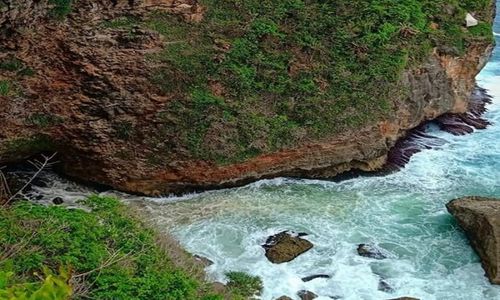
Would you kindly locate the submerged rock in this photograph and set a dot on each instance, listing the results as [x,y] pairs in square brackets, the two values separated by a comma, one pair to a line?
[306,295]
[404,298]
[284,298]
[285,246]
[312,277]
[58,201]
[479,217]
[368,250]
[205,262]
[384,286]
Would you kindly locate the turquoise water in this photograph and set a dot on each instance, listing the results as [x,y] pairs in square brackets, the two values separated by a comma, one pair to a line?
[403,213]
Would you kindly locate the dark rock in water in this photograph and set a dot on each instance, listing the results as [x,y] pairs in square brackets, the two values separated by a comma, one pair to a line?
[384,286]
[58,201]
[301,234]
[404,298]
[205,262]
[417,139]
[39,182]
[306,295]
[479,217]
[284,298]
[309,278]
[285,246]
[370,251]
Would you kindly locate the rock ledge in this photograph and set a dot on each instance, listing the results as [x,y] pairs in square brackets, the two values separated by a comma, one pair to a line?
[480,219]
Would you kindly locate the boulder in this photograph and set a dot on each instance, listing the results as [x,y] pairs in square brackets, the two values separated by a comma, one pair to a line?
[306,295]
[371,251]
[479,217]
[285,246]
[284,298]
[470,21]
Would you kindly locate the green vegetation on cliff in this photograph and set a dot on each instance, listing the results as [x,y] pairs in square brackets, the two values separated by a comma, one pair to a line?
[102,254]
[270,74]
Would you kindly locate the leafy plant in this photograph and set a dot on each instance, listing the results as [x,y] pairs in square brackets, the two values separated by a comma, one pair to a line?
[52,287]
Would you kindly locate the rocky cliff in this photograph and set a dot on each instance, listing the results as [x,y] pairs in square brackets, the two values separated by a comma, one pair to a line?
[118,90]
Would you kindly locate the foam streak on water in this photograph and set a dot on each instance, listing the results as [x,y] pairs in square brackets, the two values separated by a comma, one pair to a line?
[403,213]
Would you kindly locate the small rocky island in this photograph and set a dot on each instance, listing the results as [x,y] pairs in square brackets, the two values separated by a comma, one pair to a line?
[479,217]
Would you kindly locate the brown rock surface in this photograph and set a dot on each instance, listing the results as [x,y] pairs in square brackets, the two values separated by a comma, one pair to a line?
[285,246]
[480,219]
[96,81]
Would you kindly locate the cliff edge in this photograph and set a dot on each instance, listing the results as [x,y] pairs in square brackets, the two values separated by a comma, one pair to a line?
[161,96]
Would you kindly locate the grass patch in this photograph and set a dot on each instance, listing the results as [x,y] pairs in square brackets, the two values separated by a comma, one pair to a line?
[244,285]
[43,120]
[28,146]
[11,64]
[124,130]
[109,254]
[60,9]
[5,87]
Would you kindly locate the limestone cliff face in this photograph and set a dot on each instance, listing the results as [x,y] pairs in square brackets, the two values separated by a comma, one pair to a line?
[88,76]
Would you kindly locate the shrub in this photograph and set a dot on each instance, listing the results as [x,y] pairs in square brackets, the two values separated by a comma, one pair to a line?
[244,285]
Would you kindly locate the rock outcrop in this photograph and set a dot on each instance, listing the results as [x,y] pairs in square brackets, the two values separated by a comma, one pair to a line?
[285,246]
[479,217]
[91,92]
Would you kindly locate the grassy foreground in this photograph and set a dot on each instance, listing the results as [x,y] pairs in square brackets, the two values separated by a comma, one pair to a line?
[58,253]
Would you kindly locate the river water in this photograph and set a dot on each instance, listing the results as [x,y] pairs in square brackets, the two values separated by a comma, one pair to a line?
[403,213]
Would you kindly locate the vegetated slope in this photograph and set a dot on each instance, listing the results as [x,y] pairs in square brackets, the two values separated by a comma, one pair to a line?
[162,96]
[103,254]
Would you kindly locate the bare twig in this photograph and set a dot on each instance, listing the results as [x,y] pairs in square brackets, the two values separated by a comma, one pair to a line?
[4,187]
[40,166]
[113,259]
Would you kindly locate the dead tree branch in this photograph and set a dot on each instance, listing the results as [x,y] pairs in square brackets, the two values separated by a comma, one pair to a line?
[39,165]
